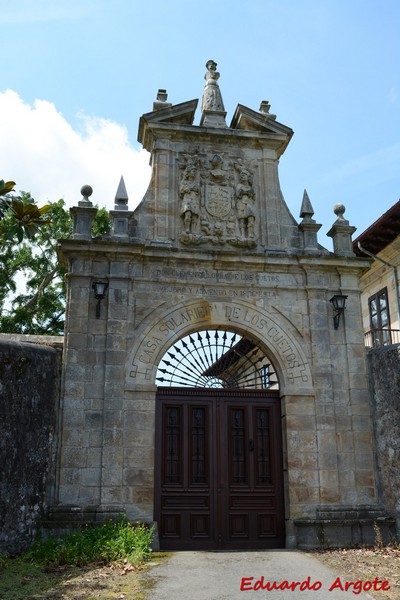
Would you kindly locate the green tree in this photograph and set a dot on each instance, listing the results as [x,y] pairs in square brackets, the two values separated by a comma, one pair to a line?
[19,215]
[33,264]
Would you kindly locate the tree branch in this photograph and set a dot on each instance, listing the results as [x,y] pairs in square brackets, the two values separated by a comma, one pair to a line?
[45,282]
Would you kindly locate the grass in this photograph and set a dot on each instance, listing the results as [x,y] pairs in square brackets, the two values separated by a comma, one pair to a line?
[99,555]
[112,541]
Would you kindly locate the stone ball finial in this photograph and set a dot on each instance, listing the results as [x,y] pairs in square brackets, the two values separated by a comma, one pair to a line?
[86,191]
[339,210]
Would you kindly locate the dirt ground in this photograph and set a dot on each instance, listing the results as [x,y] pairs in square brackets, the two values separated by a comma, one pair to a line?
[366,564]
[124,582]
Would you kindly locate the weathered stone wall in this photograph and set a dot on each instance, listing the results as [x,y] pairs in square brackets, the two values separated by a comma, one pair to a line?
[384,375]
[29,392]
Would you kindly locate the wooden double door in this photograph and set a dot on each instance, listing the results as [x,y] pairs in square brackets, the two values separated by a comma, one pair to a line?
[218,469]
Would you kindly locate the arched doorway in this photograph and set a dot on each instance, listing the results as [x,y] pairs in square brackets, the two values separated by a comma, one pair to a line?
[218,466]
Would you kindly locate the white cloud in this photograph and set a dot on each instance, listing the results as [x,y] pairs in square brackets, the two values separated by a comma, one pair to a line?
[47,157]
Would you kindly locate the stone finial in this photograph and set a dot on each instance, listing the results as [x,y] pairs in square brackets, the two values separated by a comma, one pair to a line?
[212,107]
[306,211]
[121,197]
[308,226]
[83,215]
[264,109]
[120,216]
[86,191]
[339,210]
[341,232]
[161,101]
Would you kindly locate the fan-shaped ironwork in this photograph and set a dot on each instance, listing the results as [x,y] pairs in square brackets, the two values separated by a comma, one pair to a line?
[216,359]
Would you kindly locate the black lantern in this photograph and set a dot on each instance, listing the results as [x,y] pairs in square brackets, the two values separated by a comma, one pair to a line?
[100,288]
[339,304]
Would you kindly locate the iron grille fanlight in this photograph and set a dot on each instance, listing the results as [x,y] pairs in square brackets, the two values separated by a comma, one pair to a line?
[216,359]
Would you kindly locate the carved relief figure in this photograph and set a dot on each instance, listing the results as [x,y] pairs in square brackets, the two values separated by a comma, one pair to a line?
[245,203]
[218,206]
[189,191]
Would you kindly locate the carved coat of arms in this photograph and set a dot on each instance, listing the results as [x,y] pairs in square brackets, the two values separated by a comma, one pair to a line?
[217,202]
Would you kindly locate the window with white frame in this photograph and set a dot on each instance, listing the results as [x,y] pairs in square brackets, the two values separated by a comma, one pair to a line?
[379,318]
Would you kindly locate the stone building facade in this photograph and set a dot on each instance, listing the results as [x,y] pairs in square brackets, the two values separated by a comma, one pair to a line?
[214,247]
[380,288]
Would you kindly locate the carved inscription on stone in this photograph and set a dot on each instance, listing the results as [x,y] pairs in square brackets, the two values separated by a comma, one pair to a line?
[182,319]
[217,201]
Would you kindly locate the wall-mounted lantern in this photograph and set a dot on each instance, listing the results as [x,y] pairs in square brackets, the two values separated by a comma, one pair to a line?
[100,288]
[339,305]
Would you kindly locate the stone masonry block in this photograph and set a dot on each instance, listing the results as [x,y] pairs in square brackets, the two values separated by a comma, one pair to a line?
[78,310]
[303,460]
[347,479]
[305,441]
[326,441]
[113,401]
[329,479]
[70,476]
[364,478]
[93,457]
[73,418]
[115,372]
[91,477]
[139,457]
[138,438]
[112,476]
[78,325]
[327,460]
[303,477]
[112,457]
[69,494]
[74,389]
[302,406]
[77,341]
[329,494]
[111,495]
[301,422]
[326,422]
[362,441]
[346,461]
[94,390]
[113,437]
[113,419]
[116,342]
[73,457]
[137,477]
[93,419]
[73,436]
[89,495]
[300,494]
[95,439]
[366,495]
[361,423]
[118,312]
[139,420]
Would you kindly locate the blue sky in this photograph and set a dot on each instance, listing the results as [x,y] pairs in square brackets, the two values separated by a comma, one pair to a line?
[76,75]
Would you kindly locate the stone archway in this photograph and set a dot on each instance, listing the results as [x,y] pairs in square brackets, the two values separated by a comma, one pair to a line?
[218,445]
[271,331]
[280,339]
[216,358]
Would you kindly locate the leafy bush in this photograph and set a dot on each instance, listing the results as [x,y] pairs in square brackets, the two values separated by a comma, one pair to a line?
[109,542]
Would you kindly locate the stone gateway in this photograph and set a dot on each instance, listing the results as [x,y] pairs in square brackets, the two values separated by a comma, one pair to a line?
[210,390]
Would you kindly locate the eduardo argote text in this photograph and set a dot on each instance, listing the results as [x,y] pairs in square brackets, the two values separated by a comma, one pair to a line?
[356,587]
